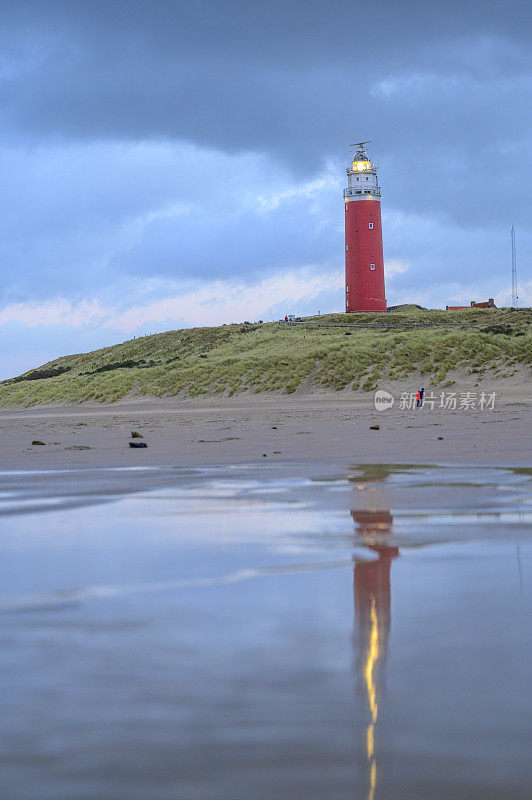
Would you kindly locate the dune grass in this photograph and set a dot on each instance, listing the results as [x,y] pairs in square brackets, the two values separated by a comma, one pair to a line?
[266,357]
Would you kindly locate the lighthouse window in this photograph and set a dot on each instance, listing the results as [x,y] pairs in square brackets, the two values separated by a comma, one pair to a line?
[347,303]
[346,248]
[371,226]
[347,288]
[372,266]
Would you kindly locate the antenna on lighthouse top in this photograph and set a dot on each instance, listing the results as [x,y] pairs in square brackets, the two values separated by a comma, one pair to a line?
[361,154]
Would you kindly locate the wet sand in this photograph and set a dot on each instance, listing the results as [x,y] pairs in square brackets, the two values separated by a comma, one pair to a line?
[263,603]
[273,631]
[311,428]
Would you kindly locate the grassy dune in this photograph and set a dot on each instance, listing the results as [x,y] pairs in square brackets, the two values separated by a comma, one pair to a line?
[266,357]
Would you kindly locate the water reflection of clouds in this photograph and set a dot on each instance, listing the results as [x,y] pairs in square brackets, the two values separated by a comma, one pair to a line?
[256,637]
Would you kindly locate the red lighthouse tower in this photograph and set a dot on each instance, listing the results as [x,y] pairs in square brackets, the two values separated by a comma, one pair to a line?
[364,263]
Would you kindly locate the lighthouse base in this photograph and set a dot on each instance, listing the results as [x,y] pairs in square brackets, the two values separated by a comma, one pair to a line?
[369,307]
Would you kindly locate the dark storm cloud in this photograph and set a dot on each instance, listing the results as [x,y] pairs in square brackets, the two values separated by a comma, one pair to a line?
[99,212]
[447,82]
[219,72]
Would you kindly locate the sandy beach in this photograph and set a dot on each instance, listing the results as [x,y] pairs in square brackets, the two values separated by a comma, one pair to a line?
[250,428]
[267,602]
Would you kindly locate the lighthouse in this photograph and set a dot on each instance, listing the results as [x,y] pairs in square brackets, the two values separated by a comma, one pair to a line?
[364,263]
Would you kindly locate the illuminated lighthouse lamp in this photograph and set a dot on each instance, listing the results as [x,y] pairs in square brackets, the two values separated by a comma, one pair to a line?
[364,261]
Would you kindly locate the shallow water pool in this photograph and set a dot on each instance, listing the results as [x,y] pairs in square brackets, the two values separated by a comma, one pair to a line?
[358,631]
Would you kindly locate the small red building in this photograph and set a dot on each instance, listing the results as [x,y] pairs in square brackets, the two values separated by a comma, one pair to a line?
[364,262]
[485,304]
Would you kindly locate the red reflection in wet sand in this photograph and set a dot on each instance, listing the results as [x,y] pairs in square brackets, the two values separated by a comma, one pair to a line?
[372,596]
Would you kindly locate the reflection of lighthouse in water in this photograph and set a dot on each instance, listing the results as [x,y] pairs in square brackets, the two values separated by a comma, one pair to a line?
[371,588]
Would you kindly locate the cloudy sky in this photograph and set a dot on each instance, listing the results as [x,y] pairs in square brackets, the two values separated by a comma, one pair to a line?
[166,164]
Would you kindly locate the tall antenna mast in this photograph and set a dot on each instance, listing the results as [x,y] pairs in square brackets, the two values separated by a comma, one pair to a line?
[514,270]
